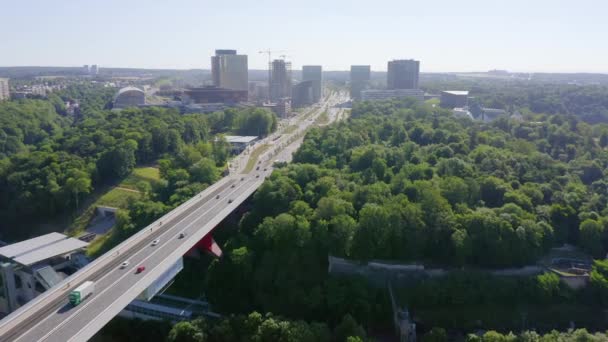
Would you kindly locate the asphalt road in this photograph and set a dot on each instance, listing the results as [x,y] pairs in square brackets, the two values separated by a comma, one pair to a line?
[60,321]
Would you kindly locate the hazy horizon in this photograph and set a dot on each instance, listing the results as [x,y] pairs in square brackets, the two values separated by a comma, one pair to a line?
[446,36]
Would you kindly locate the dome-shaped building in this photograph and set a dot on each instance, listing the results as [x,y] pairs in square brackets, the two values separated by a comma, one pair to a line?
[129,97]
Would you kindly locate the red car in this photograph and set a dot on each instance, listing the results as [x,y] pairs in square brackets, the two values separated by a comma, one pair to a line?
[140,269]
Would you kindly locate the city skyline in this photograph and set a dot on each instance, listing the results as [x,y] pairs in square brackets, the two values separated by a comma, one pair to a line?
[470,35]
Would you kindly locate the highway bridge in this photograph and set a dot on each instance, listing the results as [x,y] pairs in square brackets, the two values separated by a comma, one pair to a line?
[50,317]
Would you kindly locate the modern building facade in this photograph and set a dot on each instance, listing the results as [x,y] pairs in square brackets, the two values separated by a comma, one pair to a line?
[129,97]
[454,98]
[229,70]
[403,74]
[303,94]
[359,80]
[280,80]
[215,95]
[94,70]
[314,73]
[380,95]
[4,91]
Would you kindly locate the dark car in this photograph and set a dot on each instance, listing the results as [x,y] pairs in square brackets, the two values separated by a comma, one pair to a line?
[140,269]
[230,201]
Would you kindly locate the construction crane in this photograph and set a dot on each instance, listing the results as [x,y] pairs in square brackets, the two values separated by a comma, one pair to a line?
[269,53]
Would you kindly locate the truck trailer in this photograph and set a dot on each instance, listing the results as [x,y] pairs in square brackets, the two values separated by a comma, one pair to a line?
[81,292]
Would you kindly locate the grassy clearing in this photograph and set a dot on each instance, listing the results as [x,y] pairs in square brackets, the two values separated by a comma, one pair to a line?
[290,129]
[323,119]
[432,102]
[117,198]
[141,174]
[253,158]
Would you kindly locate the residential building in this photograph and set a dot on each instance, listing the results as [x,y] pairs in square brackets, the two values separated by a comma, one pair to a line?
[380,95]
[403,74]
[229,70]
[454,98]
[4,91]
[359,80]
[280,80]
[214,95]
[303,94]
[129,97]
[94,70]
[314,73]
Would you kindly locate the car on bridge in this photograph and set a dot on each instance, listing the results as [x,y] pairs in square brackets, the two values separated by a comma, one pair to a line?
[155,242]
[124,264]
[140,269]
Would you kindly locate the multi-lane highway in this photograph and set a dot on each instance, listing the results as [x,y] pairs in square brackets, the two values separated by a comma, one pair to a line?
[51,318]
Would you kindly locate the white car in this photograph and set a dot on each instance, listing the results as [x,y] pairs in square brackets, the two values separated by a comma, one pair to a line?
[155,242]
[124,264]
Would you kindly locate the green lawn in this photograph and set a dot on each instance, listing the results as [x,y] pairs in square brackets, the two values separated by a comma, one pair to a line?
[290,129]
[432,102]
[253,158]
[118,198]
[141,174]
[323,119]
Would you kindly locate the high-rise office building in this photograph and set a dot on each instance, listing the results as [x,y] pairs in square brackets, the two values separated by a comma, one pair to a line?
[4,92]
[302,94]
[280,80]
[229,70]
[403,74]
[359,80]
[314,73]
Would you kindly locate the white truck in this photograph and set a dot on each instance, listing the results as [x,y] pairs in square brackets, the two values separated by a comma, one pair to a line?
[81,292]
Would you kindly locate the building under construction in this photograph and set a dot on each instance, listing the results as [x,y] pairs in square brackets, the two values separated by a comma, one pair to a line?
[280,80]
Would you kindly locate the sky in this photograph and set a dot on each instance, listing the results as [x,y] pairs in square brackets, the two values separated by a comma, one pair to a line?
[444,35]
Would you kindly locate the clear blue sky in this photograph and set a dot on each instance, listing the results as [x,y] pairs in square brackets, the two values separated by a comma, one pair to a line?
[445,35]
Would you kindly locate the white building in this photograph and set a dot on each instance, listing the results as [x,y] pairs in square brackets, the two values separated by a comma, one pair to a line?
[4,92]
[30,267]
[378,95]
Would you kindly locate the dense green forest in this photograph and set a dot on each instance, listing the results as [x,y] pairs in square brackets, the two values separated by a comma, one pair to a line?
[410,182]
[49,162]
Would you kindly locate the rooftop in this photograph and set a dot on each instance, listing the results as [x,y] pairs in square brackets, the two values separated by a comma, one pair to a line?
[457,92]
[240,139]
[40,248]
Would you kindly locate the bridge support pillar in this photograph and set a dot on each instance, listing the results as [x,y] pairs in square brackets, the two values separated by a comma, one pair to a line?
[209,245]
